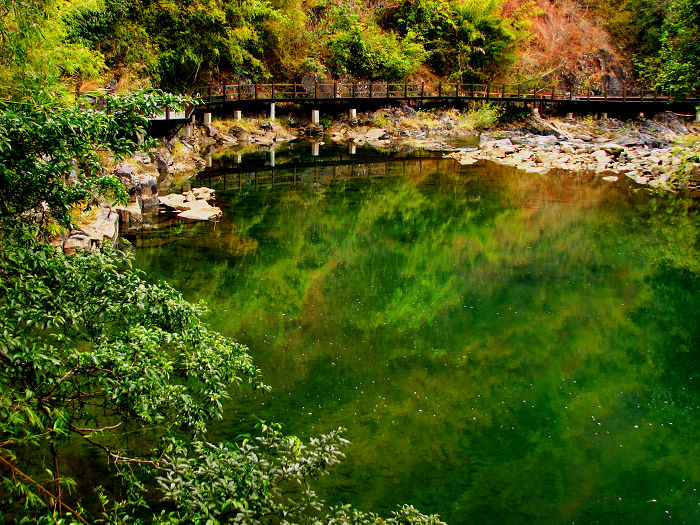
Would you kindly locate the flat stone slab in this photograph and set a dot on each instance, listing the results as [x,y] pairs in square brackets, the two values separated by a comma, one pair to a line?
[200,210]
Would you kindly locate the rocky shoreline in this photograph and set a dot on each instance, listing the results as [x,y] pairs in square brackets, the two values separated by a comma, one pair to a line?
[642,151]
[651,152]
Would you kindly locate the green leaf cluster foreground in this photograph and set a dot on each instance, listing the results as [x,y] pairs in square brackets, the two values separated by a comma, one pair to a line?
[94,358]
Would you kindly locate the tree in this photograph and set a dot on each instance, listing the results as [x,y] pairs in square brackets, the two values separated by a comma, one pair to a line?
[90,351]
[680,50]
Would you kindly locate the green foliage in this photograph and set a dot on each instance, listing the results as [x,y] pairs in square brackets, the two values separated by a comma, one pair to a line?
[463,39]
[680,52]
[361,49]
[91,352]
[40,151]
[635,23]
[35,55]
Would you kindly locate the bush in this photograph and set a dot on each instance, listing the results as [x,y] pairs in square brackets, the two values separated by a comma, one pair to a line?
[364,51]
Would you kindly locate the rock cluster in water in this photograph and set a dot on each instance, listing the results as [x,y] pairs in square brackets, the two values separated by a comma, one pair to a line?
[193,205]
[645,156]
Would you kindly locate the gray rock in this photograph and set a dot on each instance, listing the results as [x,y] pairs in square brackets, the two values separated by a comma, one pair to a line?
[628,141]
[602,158]
[105,228]
[612,149]
[126,173]
[77,242]
[200,210]
[376,134]
[489,143]
[130,217]
[547,139]
[163,159]
[583,137]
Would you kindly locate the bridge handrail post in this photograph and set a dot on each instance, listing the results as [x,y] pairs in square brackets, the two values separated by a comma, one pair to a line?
[405,89]
[224,92]
[518,86]
[335,89]
[641,94]
[553,88]
[273,91]
[624,93]
[503,91]
[256,90]
[589,93]
[388,93]
[354,85]
[571,93]
[472,91]
[488,91]
[316,89]
[605,92]
[239,90]
[371,84]
[295,90]
[456,90]
[422,91]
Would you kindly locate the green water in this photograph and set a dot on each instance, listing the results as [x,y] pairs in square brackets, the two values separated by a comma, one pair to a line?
[502,347]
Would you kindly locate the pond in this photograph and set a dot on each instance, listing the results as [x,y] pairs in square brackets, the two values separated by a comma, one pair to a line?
[502,347]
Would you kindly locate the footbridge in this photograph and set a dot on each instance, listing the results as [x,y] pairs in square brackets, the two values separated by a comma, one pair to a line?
[228,99]
[242,96]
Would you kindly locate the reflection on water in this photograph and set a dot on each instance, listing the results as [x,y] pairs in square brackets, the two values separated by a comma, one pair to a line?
[502,347]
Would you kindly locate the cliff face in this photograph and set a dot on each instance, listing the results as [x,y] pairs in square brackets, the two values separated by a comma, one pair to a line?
[569,46]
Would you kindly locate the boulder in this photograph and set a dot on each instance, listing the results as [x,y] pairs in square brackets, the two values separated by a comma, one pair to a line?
[126,173]
[77,241]
[489,143]
[612,149]
[546,139]
[130,217]
[602,159]
[200,210]
[376,134]
[163,160]
[104,228]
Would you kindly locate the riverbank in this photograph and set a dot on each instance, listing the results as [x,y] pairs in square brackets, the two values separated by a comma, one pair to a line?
[662,152]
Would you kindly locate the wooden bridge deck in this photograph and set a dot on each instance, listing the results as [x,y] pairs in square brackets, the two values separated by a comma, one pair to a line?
[241,94]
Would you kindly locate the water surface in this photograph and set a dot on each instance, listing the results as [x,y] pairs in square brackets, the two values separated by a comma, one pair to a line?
[502,347]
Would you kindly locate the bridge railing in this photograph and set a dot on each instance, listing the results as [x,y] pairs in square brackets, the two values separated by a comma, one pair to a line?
[227,93]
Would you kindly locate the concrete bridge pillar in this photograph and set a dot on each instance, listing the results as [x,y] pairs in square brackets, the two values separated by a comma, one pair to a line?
[272,158]
[237,115]
[353,114]
[207,119]
[315,117]
[187,131]
[569,116]
[604,116]
[353,149]
[239,158]
[207,159]
[697,116]
[272,111]
[315,148]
